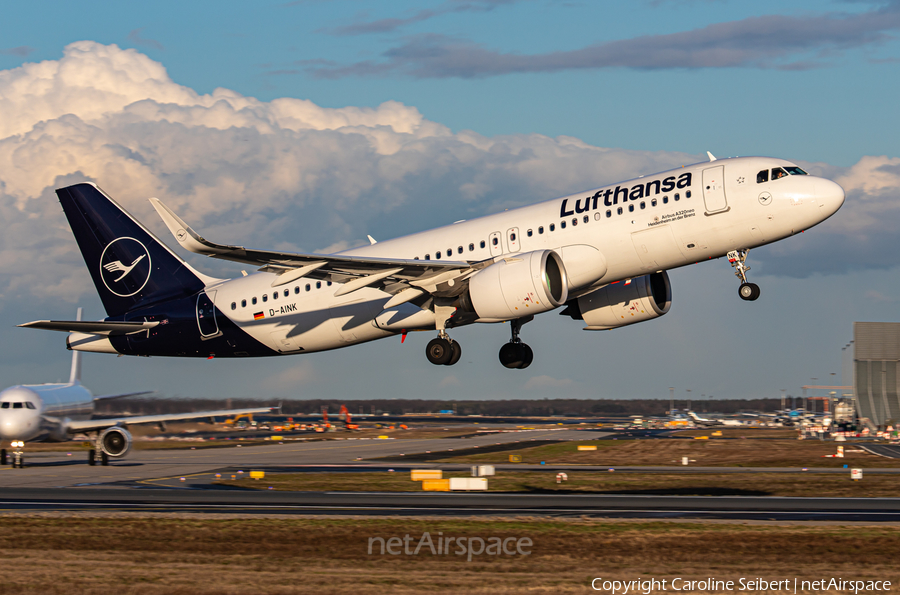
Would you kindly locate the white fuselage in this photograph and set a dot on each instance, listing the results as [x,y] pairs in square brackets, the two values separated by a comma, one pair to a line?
[32,411]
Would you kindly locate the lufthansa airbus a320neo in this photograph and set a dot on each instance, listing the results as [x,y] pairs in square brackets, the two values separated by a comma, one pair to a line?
[600,255]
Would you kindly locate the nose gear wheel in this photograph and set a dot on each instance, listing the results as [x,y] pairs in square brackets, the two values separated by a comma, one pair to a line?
[747,291]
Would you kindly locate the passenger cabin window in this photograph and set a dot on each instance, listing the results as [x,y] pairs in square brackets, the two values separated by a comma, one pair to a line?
[328,284]
[265,297]
[308,287]
[275,296]
[437,255]
[562,224]
[449,252]
[677,197]
[643,205]
[778,173]
[253,301]
[471,247]
[243,303]
[687,194]
[631,208]
[482,243]
[597,215]
[762,176]
[552,227]
[653,202]
[609,213]
[619,211]
[233,306]
[586,218]
[287,292]
[296,289]
[428,257]
[460,250]
[318,285]
[665,200]
[530,233]
[541,229]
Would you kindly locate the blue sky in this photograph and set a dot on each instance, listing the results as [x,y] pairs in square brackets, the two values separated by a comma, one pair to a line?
[553,97]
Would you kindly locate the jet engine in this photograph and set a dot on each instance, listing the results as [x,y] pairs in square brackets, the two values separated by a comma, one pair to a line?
[623,303]
[115,441]
[517,286]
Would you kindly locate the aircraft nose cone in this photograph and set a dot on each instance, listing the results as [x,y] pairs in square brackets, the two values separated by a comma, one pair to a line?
[831,195]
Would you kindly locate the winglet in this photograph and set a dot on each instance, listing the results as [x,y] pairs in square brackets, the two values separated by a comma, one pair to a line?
[711,156]
[185,235]
[372,241]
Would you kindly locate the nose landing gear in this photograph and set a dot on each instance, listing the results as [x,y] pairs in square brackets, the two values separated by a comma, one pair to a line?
[515,354]
[747,291]
[18,454]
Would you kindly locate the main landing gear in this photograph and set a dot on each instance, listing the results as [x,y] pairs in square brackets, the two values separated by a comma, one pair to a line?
[747,291]
[443,351]
[95,450]
[515,354]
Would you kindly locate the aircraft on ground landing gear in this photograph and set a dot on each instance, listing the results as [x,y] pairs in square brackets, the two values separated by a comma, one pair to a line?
[56,412]
[602,253]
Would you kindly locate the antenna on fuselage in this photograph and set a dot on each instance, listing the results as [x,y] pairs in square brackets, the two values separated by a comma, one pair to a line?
[75,374]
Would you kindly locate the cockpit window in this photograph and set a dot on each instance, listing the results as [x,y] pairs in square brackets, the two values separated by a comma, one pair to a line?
[795,171]
[4,405]
[17,405]
[762,176]
[777,173]
[30,405]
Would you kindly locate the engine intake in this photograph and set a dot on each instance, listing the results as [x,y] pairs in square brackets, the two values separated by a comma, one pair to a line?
[518,285]
[115,441]
[624,303]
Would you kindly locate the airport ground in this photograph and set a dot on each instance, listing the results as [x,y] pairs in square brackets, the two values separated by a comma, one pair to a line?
[67,527]
[179,554]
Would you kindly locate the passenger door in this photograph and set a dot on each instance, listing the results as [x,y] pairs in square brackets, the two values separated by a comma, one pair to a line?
[714,189]
[206,316]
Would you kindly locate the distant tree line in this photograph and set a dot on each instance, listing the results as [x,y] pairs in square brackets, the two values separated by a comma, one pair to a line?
[524,407]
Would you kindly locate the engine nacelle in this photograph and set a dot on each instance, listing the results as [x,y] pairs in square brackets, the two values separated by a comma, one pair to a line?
[115,441]
[519,285]
[624,303]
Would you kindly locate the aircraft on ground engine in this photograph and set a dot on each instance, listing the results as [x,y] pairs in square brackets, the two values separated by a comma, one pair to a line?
[603,254]
[57,412]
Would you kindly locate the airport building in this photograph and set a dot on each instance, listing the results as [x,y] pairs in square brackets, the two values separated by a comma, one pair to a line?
[876,371]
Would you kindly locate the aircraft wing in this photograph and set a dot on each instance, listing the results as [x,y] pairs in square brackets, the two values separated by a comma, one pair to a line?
[123,395]
[405,279]
[89,425]
[94,328]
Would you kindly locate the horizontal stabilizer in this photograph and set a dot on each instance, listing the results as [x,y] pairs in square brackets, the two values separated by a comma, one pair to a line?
[93,328]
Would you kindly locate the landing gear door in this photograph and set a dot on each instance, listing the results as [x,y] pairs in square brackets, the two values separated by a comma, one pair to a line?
[714,189]
[206,316]
[494,241]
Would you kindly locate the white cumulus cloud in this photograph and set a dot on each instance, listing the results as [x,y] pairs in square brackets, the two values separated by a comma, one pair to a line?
[287,173]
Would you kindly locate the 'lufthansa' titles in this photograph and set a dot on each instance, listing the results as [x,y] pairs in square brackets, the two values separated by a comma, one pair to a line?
[612,196]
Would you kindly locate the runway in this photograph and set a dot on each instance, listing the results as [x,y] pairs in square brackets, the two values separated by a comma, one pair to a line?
[56,469]
[450,504]
[151,481]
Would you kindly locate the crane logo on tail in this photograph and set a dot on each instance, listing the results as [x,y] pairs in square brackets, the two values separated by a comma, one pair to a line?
[125,266]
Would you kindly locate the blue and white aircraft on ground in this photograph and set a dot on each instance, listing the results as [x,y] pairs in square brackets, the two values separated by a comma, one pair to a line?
[57,412]
[602,254]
